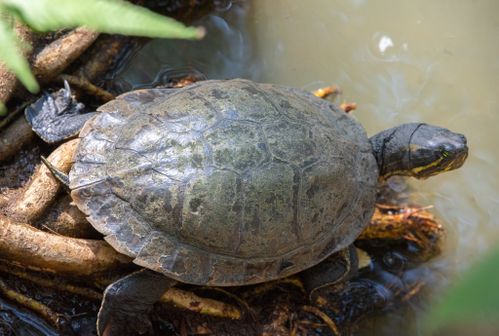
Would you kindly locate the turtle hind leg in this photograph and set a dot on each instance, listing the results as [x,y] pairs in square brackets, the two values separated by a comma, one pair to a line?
[336,268]
[127,303]
[57,116]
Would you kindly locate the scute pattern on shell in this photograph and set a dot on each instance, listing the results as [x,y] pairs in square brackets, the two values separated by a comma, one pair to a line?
[225,182]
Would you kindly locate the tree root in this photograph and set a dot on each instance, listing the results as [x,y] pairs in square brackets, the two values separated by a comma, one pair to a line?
[323,316]
[409,224]
[192,302]
[86,86]
[25,301]
[263,288]
[41,192]
[242,303]
[56,56]
[14,137]
[40,250]
[14,114]
[58,284]
[65,219]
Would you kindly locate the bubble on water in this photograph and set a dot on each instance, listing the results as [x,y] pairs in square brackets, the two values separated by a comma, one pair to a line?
[384,43]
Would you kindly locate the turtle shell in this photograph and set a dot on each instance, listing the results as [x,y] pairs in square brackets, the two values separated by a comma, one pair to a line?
[225,182]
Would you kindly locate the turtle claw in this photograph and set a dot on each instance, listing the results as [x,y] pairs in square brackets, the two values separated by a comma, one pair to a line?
[67,90]
[57,116]
[123,325]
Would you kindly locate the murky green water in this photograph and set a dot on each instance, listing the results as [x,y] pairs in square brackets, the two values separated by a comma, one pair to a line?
[400,61]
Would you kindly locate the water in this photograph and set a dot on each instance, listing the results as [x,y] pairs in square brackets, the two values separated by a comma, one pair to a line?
[400,61]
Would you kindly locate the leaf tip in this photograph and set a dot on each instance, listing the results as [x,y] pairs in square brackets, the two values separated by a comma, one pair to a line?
[32,85]
[200,32]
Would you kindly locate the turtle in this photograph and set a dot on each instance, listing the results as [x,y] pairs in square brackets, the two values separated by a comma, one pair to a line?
[229,183]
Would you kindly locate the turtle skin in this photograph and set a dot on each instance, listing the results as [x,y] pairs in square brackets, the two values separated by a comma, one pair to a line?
[225,183]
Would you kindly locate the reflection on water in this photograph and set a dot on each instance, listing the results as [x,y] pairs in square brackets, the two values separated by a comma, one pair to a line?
[400,61]
[20,322]
[225,52]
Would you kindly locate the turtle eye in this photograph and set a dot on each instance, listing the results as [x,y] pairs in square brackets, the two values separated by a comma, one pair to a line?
[444,154]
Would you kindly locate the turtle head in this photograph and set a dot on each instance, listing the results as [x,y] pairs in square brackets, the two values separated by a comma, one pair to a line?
[418,150]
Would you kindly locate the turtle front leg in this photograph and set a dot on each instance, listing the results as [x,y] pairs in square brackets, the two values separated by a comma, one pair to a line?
[57,116]
[127,303]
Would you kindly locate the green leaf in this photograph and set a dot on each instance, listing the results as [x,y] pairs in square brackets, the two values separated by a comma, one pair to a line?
[108,16]
[12,57]
[474,298]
